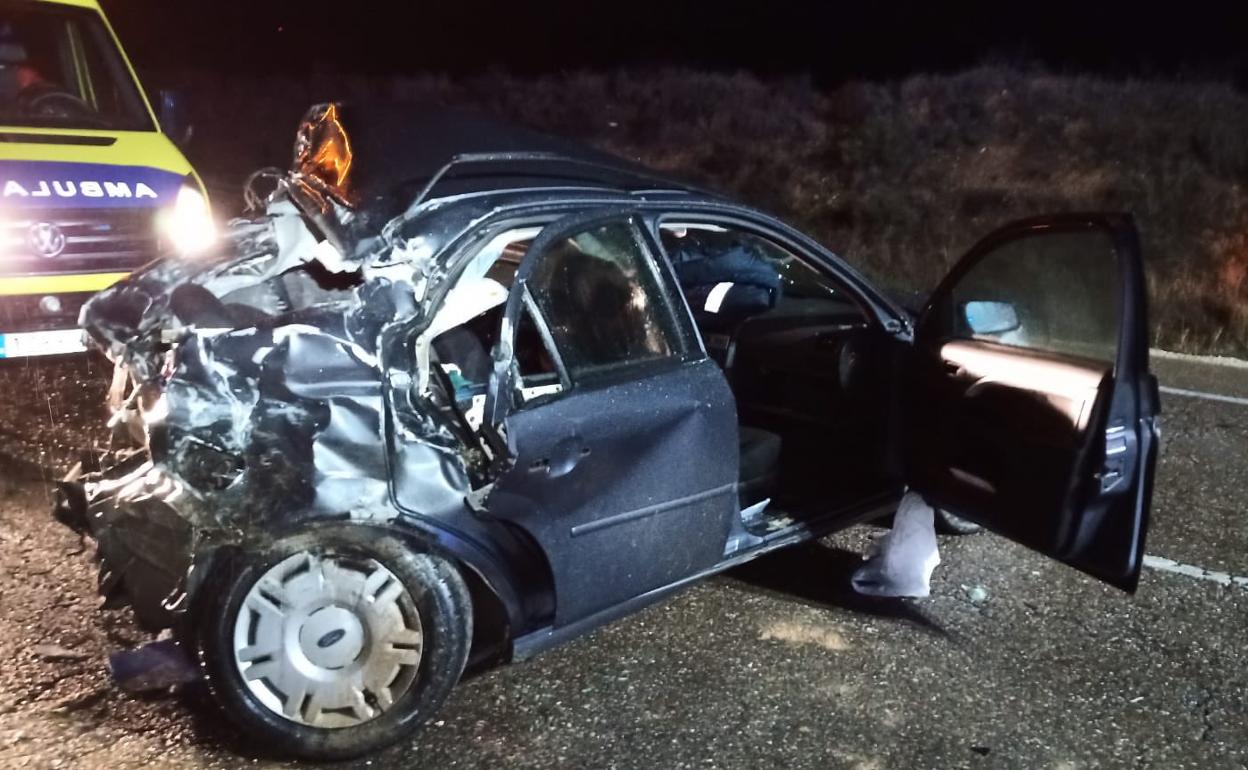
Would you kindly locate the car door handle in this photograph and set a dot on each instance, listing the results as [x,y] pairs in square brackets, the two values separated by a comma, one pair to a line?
[1116,456]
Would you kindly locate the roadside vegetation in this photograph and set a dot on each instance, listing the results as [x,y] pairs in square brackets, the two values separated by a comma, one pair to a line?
[898,177]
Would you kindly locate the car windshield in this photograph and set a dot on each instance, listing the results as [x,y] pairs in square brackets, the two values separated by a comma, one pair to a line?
[60,68]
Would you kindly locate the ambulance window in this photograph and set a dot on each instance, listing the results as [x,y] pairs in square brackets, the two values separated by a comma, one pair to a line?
[60,68]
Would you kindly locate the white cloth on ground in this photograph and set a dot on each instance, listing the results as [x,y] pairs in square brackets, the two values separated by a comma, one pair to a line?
[904,558]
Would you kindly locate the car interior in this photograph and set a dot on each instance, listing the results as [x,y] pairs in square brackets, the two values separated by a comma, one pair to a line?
[807,368]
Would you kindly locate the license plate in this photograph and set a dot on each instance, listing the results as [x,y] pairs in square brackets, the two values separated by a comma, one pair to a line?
[23,344]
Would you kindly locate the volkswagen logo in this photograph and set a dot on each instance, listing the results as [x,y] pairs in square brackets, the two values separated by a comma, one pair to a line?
[46,239]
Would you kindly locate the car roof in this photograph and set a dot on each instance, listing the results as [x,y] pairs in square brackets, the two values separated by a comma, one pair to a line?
[364,153]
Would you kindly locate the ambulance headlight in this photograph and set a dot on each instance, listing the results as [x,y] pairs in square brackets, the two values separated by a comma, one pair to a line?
[188,224]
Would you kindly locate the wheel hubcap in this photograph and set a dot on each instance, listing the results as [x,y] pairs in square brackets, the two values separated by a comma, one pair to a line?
[332,638]
[328,641]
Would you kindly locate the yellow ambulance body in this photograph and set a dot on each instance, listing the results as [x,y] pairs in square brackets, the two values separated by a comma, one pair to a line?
[88,181]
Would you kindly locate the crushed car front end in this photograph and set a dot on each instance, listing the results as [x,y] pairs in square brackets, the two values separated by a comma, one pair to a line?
[248,398]
[236,438]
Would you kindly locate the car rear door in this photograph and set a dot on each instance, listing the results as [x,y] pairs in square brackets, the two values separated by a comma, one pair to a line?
[621,433]
[1028,405]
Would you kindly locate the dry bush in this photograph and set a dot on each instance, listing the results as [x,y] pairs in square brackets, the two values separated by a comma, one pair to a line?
[898,177]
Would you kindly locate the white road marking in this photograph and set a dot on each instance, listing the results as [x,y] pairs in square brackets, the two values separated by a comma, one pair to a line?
[1190,570]
[1170,565]
[1226,361]
[1203,395]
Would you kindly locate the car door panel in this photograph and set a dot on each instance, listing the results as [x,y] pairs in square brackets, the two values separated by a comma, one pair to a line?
[1021,430]
[1010,429]
[626,478]
[627,487]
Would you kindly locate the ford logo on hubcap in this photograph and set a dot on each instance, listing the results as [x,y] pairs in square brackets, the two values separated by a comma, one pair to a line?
[330,639]
[46,239]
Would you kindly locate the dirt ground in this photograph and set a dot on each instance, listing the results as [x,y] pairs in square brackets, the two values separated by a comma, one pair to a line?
[58,705]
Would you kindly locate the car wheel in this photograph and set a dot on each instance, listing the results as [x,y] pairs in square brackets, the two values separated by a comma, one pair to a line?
[335,643]
[949,524]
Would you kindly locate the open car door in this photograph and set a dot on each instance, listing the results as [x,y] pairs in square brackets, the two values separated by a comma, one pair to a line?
[1028,403]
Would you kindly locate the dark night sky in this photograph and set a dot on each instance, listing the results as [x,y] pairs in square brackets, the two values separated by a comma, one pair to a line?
[829,40]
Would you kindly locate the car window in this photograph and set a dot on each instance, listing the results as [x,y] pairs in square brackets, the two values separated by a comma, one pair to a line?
[464,340]
[534,361]
[60,68]
[1057,292]
[733,273]
[602,300]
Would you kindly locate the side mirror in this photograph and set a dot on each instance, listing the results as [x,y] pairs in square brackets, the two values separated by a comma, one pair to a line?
[990,317]
[174,118]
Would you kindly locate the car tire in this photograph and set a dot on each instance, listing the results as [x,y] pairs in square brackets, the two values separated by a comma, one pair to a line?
[950,524]
[334,643]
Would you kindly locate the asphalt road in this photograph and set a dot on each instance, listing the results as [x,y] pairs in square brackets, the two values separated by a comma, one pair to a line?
[773,665]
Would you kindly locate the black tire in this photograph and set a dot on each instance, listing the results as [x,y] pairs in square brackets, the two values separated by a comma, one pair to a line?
[949,524]
[438,593]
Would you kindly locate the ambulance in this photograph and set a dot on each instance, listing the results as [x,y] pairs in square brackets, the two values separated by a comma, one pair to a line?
[90,186]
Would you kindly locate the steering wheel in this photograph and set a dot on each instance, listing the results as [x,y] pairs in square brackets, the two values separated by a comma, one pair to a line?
[49,101]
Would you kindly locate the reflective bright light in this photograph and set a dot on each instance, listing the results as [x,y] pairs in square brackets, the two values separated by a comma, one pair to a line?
[157,412]
[50,305]
[188,223]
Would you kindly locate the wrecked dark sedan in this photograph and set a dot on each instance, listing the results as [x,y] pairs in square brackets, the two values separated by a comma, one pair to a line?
[457,394]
